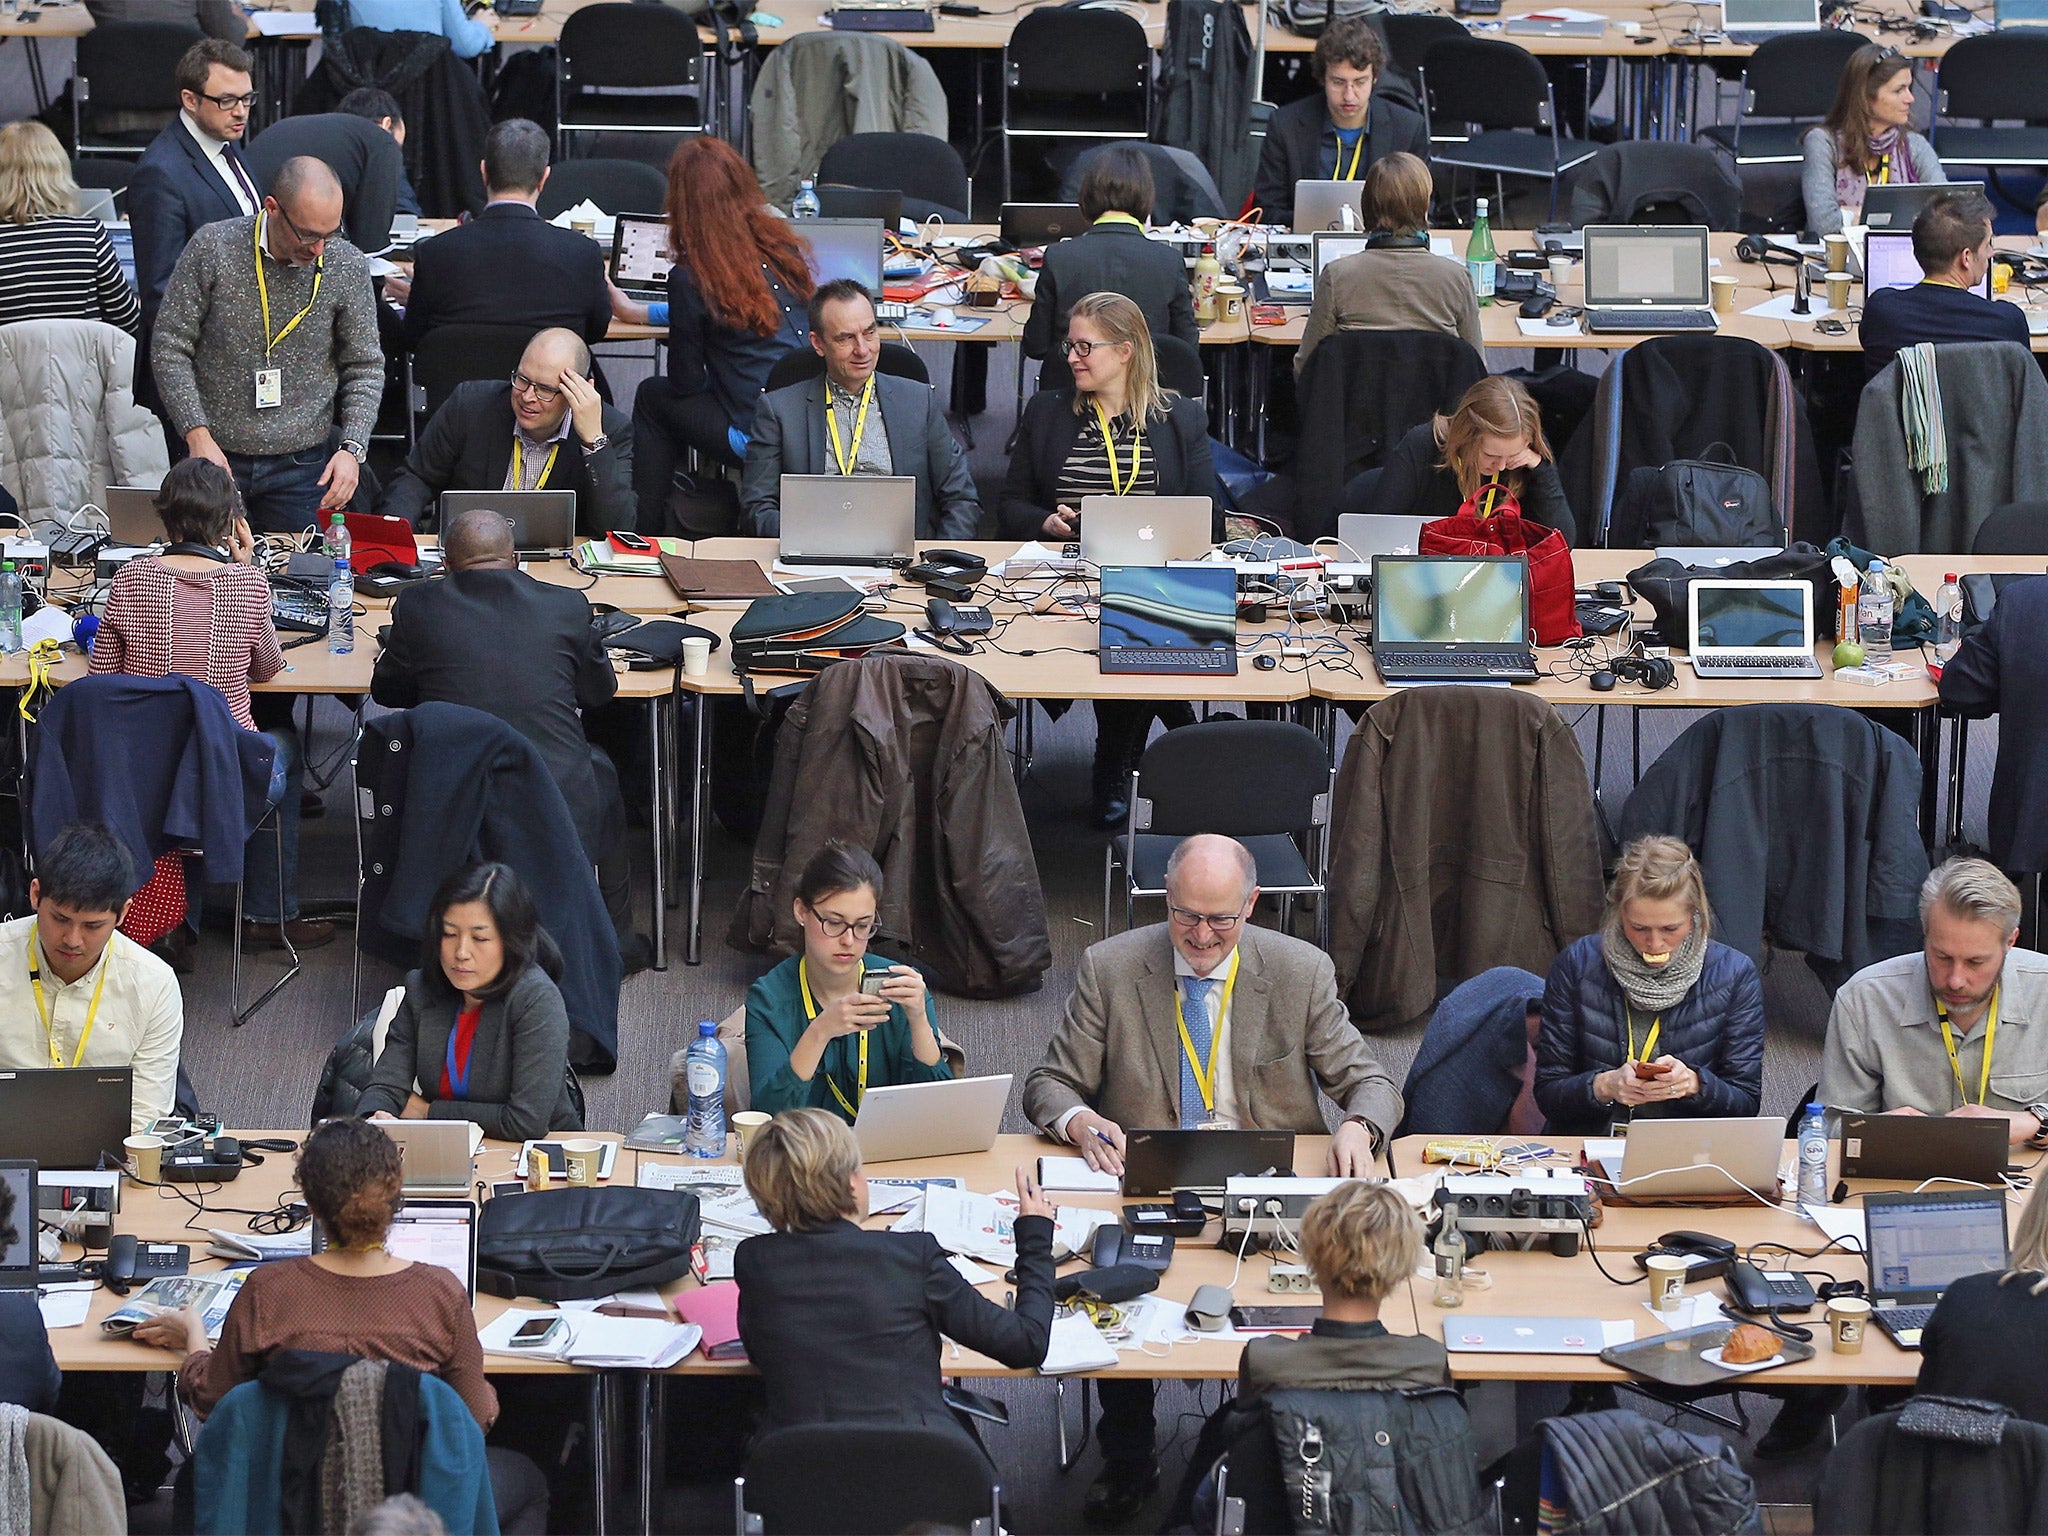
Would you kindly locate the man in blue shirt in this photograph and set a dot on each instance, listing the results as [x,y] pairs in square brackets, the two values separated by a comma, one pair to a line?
[1336,134]
[1952,243]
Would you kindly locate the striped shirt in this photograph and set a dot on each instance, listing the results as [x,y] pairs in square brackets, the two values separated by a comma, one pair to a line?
[1086,472]
[213,625]
[63,269]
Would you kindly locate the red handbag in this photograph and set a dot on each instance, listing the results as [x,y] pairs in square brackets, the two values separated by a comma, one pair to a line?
[1502,530]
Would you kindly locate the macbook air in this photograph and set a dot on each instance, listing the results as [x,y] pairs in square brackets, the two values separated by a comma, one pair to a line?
[937,1119]
[1705,555]
[1647,278]
[848,520]
[1888,262]
[131,516]
[433,1155]
[1025,225]
[1920,1244]
[1439,618]
[1144,530]
[1166,619]
[1758,21]
[543,522]
[1523,1335]
[65,1117]
[1365,534]
[1894,205]
[1744,628]
[1671,1158]
[1328,205]
[640,255]
[1923,1147]
[1157,1162]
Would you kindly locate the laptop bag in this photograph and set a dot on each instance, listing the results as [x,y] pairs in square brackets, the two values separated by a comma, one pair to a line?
[805,632]
[1665,585]
[572,1244]
[1706,502]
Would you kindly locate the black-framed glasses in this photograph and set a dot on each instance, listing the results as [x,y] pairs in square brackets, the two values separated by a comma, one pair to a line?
[862,928]
[307,235]
[1072,348]
[229,103]
[546,394]
[1219,922]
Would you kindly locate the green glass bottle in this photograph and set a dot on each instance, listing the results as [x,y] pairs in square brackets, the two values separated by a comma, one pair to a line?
[1479,255]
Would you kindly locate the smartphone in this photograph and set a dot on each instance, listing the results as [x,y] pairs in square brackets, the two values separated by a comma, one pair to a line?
[1652,1068]
[631,543]
[503,1187]
[535,1332]
[558,1160]
[871,982]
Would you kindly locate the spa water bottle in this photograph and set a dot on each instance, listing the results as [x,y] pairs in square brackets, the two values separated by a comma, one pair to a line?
[704,1071]
[1874,617]
[805,204]
[1813,1156]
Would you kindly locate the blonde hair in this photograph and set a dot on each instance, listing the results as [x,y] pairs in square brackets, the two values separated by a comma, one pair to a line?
[35,178]
[1657,869]
[2030,1244]
[800,1169]
[1361,1241]
[1120,320]
[1972,888]
[1496,406]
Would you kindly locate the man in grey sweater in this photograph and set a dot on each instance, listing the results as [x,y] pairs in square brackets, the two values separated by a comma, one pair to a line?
[257,357]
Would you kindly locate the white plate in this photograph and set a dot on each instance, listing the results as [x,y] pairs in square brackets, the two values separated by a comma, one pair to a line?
[1713,1357]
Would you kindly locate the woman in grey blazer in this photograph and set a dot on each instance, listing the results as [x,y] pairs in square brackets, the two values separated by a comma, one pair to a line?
[1866,139]
[483,1033]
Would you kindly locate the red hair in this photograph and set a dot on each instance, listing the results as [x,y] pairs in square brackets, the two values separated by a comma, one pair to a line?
[720,223]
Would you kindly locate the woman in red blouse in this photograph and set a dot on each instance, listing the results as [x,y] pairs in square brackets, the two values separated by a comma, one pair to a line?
[202,610]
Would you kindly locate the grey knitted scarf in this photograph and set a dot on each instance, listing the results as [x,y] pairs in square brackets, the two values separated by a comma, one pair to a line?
[1655,987]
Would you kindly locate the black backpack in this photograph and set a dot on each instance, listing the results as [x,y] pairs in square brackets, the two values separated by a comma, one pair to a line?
[1711,502]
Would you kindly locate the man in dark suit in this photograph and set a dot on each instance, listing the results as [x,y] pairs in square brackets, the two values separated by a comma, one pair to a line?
[492,637]
[1952,244]
[508,265]
[851,420]
[1337,135]
[546,430]
[365,159]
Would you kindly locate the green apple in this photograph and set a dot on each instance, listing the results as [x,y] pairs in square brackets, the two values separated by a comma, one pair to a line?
[1848,654]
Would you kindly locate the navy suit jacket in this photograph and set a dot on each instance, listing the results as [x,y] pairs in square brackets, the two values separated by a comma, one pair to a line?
[173,193]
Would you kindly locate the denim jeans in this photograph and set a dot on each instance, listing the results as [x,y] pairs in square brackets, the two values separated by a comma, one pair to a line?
[280,491]
[262,900]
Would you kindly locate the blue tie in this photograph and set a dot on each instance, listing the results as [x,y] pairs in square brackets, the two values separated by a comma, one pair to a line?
[1201,1030]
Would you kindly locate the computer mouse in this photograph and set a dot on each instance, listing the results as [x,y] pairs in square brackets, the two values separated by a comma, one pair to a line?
[1265,663]
[1560,317]
[1603,682]
[1534,306]
[940,317]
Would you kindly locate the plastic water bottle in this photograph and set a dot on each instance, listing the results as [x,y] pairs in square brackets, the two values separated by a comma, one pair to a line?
[1813,1156]
[337,537]
[10,608]
[341,610]
[1449,1250]
[1480,259]
[1948,618]
[805,204]
[1874,617]
[704,1070]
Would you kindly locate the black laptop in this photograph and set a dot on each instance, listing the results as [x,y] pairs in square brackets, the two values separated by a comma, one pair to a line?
[1028,224]
[1920,1244]
[1168,619]
[1452,618]
[1158,1162]
[65,1117]
[1923,1147]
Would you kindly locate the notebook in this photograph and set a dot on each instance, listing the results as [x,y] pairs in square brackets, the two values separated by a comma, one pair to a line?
[1920,1244]
[1168,619]
[1670,1159]
[935,1119]
[1889,262]
[1326,204]
[1744,628]
[1144,530]
[1923,1147]
[543,522]
[1647,278]
[844,248]
[66,1117]
[1031,224]
[701,583]
[131,516]
[1459,618]
[1894,205]
[1758,21]
[848,520]
[715,1308]
[433,1154]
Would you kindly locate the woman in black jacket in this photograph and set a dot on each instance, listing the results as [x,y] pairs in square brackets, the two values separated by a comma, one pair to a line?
[846,1326]
[483,1033]
[1495,435]
[1976,1344]
[1649,1018]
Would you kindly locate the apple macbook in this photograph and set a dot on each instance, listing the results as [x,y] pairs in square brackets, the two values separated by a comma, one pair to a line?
[1708,556]
[1523,1335]
[1758,21]
[429,1230]
[936,1119]
[1923,1147]
[131,516]
[1158,1162]
[1894,205]
[1743,628]
[433,1156]
[1888,262]
[1443,618]
[1920,1244]
[1670,1158]
[1168,619]
[1025,225]
[848,520]
[640,255]
[1365,534]
[543,522]
[1647,278]
[1144,530]
[65,1117]
[1329,205]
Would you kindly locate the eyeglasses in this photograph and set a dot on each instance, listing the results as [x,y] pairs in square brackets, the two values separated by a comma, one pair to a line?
[838,927]
[307,235]
[1219,922]
[229,103]
[546,394]
[1084,348]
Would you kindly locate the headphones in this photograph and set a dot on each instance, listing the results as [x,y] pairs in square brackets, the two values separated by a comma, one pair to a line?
[1653,672]
[1754,249]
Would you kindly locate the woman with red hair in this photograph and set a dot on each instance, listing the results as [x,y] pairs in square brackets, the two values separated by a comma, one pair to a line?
[736,295]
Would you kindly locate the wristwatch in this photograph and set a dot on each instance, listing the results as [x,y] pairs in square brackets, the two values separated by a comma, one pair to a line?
[355,450]
[595,444]
[2040,1114]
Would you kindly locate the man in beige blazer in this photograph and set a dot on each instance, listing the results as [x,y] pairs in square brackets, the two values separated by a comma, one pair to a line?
[1264,1029]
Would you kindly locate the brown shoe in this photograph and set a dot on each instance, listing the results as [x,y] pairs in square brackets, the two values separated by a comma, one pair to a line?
[303,933]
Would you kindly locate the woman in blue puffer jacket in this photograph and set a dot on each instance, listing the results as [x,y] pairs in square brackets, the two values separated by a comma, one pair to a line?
[1650,990]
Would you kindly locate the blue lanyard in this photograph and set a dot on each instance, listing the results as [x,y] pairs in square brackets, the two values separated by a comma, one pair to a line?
[460,1081]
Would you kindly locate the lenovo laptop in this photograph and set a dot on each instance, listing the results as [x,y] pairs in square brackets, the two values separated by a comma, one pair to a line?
[1680,1158]
[1894,205]
[937,1119]
[1144,530]
[433,1155]
[543,522]
[1647,278]
[1888,261]
[1361,535]
[1923,1147]
[1459,618]
[65,1117]
[1158,1162]
[1336,205]
[1919,1245]
[848,520]
[131,516]
[1167,619]
[1758,21]
[1743,628]
[1025,225]
[640,255]
[1523,1335]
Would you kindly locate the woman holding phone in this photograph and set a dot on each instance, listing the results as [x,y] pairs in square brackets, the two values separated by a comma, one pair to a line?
[829,1023]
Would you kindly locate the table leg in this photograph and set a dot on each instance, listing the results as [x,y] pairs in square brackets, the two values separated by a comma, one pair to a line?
[700,815]
[600,1449]
[654,1452]
[1927,727]
[1958,769]
[657,816]
[35,75]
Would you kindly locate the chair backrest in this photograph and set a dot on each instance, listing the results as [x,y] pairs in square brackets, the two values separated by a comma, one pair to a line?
[383,762]
[449,355]
[2018,528]
[131,66]
[1660,183]
[795,1481]
[1059,51]
[1795,75]
[616,186]
[1409,38]
[632,46]
[1995,76]
[1487,81]
[1237,778]
[1180,366]
[918,165]
[1184,190]
[801,363]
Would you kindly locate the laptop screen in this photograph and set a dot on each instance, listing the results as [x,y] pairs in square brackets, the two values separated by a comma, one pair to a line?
[2022,12]
[1169,607]
[1331,247]
[1449,601]
[18,1254]
[1646,266]
[845,248]
[1888,262]
[437,1232]
[640,252]
[1753,618]
[1928,1242]
[1769,13]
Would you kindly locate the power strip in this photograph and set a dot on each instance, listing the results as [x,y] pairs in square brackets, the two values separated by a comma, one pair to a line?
[1269,1208]
[77,546]
[1289,1277]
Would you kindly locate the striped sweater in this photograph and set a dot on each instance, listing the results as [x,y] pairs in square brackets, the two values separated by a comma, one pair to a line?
[63,269]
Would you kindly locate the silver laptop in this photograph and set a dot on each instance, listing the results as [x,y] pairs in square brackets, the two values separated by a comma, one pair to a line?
[430,1230]
[1708,555]
[1669,1158]
[1327,246]
[1144,530]
[433,1156]
[1647,278]
[1325,204]
[2022,13]
[543,522]
[848,520]
[1365,534]
[1758,21]
[131,516]
[1523,1335]
[937,1119]
[1896,204]
[1743,628]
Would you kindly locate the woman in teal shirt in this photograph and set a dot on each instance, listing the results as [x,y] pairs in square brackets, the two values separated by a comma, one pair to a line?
[814,1039]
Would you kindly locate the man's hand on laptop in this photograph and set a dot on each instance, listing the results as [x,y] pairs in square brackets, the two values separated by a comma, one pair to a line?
[2022,1125]
[627,311]
[1351,1151]
[1100,1141]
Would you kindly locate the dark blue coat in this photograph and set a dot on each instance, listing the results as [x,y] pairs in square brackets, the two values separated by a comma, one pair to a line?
[1468,1073]
[173,192]
[705,355]
[1717,1029]
[28,1371]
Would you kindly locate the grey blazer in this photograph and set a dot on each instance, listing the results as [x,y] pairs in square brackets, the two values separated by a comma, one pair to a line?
[518,1064]
[789,439]
[1117,1050]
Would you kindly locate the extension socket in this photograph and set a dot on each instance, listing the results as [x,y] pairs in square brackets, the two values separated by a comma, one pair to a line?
[92,1200]
[31,557]
[1294,1197]
[107,563]
[77,547]
[1289,1277]
[1558,1206]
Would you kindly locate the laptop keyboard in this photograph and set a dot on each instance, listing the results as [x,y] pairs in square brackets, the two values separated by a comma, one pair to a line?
[1904,1324]
[1627,320]
[1453,661]
[1750,37]
[1172,661]
[1795,664]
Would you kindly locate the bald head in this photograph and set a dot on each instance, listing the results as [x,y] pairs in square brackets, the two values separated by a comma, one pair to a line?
[478,541]
[1209,877]
[303,183]
[551,351]
[304,210]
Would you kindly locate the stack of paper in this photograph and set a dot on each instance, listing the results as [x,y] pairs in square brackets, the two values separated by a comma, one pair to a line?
[597,558]
[597,1340]
[241,1247]
[722,1198]
[1076,1345]
[1073,1173]
[887,1196]
[981,1226]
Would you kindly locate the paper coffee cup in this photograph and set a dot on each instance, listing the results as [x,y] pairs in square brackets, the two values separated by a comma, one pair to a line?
[1723,290]
[696,656]
[1838,290]
[1560,272]
[1230,300]
[584,226]
[1667,1281]
[746,1125]
[1848,1318]
[583,1159]
[1838,252]
[146,1156]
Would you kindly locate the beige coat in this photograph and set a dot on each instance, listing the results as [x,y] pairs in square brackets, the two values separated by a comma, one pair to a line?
[819,87]
[73,1487]
[71,424]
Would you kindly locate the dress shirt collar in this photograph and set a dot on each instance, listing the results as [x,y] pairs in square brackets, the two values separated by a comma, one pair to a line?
[561,431]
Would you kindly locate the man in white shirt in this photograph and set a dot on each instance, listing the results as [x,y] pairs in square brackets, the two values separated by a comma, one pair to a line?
[76,993]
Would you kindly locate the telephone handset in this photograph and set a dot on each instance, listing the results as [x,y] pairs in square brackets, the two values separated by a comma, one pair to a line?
[1752,1290]
[1706,1255]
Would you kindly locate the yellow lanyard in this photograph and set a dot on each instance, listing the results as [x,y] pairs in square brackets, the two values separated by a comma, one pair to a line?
[1649,1041]
[1488,496]
[860,1088]
[1119,487]
[518,476]
[1955,1064]
[263,293]
[1357,150]
[1884,172]
[35,980]
[1116,217]
[1205,1080]
[847,460]
[42,657]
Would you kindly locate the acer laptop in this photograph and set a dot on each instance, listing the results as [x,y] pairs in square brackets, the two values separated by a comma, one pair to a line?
[1167,619]
[1743,628]
[1158,1162]
[543,522]
[1758,21]
[65,1117]
[1523,1335]
[1459,618]
[1923,1147]
[131,516]
[1644,278]
[1919,1245]
[1894,205]
[1144,530]
[848,520]
[937,1119]
[1888,261]
[433,1156]
[1365,534]
[1671,1158]
[1025,225]
[1336,205]
[640,255]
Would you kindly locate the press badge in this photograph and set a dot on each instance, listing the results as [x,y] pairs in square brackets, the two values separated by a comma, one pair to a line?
[269,388]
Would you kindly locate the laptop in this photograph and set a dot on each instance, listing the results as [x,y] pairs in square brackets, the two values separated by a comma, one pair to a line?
[1707,555]
[1144,530]
[65,1117]
[1668,1159]
[1919,1245]
[1736,627]
[2022,13]
[1443,618]
[1758,21]
[1025,225]
[848,520]
[1326,246]
[1365,534]
[844,248]
[640,255]
[839,202]
[1158,1162]
[1560,26]
[131,516]
[1524,1335]
[1325,204]
[430,1231]
[1644,278]
[433,1155]
[1896,204]
[938,1119]
[1888,262]
[1923,1147]
[543,522]
[1165,619]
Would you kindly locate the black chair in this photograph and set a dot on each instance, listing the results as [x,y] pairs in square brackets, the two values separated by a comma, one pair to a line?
[926,170]
[1075,74]
[1183,188]
[126,66]
[1180,367]
[1987,78]
[1501,91]
[1409,39]
[450,355]
[1660,182]
[1264,782]
[616,186]
[609,49]
[801,363]
[108,179]
[795,1482]
[2017,528]
[1791,77]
